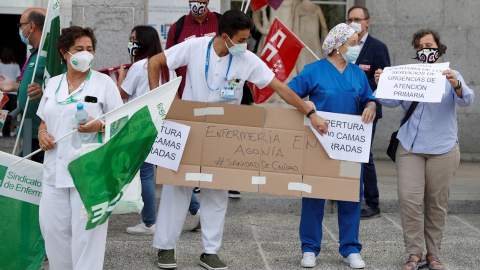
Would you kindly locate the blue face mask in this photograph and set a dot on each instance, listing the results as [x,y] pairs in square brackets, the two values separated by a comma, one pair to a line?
[237,49]
[24,39]
[352,54]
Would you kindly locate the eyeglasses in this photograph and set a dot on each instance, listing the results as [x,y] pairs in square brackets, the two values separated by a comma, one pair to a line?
[357,20]
[22,23]
[133,39]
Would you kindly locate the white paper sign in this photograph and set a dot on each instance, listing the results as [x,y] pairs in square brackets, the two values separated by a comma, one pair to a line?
[22,181]
[418,82]
[168,148]
[348,138]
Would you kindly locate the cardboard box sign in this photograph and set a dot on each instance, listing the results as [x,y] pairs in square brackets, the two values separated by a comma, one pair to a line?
[256,149]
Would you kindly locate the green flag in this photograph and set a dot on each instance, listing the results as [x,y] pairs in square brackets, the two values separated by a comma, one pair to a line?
[21,243]
[101,176]
[50,34]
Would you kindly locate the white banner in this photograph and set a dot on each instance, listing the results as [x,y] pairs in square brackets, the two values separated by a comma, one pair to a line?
[163,13]
[348,138]
[417,82]
[21,181]
[168,148]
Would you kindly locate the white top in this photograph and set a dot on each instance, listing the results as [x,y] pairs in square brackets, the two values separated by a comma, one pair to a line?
[58,120]
[136,82]
[193,53]
[11,71]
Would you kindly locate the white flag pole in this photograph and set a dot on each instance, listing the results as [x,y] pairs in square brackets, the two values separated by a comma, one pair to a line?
[312,52]
[243,2]
[42,41]
[246,7]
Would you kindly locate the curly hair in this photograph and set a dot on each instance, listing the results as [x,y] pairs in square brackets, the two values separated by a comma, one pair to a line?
[421,33]
[68,37]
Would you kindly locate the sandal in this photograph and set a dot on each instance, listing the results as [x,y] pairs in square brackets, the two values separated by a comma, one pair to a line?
[414,262]
[434,262]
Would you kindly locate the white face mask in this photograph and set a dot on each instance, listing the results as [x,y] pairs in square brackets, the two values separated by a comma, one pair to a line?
[237,49]
[81,61]
[356,26]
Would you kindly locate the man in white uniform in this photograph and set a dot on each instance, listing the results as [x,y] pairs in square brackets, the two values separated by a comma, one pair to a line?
[217,70]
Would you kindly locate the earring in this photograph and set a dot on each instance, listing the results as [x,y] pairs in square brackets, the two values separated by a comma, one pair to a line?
[338,51]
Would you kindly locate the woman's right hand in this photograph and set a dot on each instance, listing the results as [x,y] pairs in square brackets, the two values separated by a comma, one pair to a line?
[122,73]
[378,72]
[46,141]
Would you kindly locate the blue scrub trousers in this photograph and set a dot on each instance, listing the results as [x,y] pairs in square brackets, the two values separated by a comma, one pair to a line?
[348,223]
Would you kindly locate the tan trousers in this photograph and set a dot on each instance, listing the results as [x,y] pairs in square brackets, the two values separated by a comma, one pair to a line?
[424,180]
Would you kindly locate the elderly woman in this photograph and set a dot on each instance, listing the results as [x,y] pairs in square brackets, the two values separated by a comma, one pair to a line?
[68,244]
[427,157]
[336,85]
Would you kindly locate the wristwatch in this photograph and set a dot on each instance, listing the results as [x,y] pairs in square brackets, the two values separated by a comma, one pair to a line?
[459,85]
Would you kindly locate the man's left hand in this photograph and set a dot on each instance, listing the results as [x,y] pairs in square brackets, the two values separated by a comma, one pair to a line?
[34,91]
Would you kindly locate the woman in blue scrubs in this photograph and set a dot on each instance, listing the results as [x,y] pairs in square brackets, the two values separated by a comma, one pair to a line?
[335,85]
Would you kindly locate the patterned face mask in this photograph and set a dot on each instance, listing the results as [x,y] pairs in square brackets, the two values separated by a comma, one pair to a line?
[198,8]
[428,55]
[133,48]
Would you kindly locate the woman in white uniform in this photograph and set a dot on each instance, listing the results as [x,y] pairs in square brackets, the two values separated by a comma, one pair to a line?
[68,244]
[144,43]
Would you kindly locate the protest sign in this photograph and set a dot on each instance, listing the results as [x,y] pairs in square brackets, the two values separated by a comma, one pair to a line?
[348,138]
[167,150]
[417,82]
[21,242]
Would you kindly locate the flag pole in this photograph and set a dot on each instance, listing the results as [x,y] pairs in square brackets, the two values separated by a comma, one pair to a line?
[40,46]
[246,7]
[59,139]
[243,2]
[312,52]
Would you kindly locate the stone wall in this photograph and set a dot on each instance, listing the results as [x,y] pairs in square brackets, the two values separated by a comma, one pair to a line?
[394,22]
[112,22]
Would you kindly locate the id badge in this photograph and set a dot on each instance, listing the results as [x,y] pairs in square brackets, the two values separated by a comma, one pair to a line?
[227,92]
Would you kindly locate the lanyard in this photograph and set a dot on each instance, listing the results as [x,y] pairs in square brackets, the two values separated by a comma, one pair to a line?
[207,64]
[70,98]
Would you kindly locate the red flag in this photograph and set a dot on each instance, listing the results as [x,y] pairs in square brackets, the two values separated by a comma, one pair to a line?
[280,53]
[257,4]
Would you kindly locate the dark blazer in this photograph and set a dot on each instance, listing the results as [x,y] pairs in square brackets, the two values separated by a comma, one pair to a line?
[374,55]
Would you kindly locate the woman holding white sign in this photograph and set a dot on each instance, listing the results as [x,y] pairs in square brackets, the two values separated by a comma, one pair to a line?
[427,157]
[335,85]
[68,244]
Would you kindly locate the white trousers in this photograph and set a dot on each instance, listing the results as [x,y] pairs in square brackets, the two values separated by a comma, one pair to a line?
[68,244]
[173,211]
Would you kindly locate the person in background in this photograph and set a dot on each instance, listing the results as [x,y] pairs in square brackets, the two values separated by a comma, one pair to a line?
[373,55]
[68,244]
[335,85]
[427,157]
[10,69]
[204,56]
[145,43]
[30,30]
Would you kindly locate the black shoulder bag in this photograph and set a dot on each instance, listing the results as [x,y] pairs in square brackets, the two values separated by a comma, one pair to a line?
[392,147]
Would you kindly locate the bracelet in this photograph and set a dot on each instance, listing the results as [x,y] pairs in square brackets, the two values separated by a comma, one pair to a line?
[41,131]
[310,113]
[102,128]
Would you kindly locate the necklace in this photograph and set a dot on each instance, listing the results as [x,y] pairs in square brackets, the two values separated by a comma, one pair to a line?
[70,85]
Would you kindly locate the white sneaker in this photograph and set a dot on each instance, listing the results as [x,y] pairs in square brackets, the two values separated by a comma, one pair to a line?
[141,229]
[355,261]
[308,260]
[195,222]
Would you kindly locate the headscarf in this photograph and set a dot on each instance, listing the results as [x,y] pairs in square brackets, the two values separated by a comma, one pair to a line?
[337,37]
